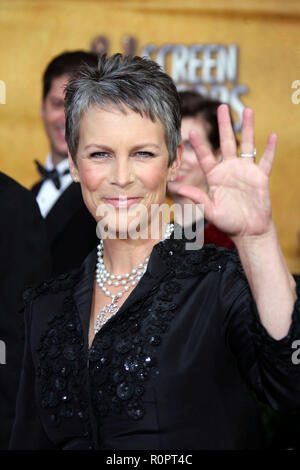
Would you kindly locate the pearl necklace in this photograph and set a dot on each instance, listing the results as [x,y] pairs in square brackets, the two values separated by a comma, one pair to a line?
[127,280]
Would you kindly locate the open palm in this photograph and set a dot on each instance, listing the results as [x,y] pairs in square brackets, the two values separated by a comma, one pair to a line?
[238,201]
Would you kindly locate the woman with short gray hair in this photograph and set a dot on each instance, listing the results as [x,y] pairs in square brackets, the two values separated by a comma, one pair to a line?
[150,345]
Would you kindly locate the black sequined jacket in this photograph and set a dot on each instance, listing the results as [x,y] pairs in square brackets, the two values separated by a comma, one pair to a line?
[176,368]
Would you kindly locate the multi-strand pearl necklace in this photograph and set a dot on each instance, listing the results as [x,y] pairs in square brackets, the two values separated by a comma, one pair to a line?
[126,281]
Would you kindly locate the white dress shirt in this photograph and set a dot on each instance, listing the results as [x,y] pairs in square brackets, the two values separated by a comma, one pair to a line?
[48,193]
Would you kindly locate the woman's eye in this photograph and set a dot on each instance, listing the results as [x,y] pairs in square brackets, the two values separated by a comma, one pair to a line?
[99,155]
[145,154]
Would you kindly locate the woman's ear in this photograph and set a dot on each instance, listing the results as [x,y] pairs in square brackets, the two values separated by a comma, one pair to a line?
[73,169]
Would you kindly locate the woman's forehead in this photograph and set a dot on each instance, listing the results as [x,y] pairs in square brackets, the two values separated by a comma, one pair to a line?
[125,124]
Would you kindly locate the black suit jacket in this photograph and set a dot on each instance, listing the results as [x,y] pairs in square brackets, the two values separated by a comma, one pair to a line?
[25,261]
[71,229]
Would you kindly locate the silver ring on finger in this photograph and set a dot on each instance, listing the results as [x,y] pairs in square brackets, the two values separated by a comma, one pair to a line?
[249,155]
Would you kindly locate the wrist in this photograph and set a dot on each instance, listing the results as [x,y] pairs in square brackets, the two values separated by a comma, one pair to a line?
[261,241]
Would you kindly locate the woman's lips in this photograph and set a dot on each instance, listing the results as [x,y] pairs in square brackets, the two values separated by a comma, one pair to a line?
[122,202]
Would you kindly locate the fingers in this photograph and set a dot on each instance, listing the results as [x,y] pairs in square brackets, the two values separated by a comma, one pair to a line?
[198,196]
[227,137]
[247,143]
[266,161]
[205,157]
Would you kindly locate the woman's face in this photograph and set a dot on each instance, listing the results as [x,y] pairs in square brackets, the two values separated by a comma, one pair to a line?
[190,172]
[122,165]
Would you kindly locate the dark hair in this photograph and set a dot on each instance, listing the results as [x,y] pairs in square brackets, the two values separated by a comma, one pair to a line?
[124,81]
[66,64]
[193,104]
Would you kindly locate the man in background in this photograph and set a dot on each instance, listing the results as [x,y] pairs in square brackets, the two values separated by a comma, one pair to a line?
[24,262]
[71,230]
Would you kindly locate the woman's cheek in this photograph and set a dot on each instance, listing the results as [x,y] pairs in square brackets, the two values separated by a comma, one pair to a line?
[156,176]
[91,178]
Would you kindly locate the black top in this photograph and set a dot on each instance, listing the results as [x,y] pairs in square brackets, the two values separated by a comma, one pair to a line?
[173,369]
[24,261]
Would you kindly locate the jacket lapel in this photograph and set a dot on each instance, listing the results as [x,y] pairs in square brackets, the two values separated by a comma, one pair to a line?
[36,187]
[83,293]
[63,210]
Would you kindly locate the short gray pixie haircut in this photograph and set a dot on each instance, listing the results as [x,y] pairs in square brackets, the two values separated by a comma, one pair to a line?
[135,82]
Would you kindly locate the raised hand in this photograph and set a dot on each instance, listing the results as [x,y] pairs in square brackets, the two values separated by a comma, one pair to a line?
[238,201]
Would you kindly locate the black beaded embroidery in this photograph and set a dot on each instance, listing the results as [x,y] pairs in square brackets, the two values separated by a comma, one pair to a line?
[60,283]
[123,355]
[62,367]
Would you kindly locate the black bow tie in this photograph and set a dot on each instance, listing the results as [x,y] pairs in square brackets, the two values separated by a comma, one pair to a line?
[52,175]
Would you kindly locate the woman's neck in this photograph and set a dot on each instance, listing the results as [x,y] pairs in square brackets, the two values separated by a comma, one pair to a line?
[121,256]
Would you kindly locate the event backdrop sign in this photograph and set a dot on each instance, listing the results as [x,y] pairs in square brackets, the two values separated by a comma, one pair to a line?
[211,69]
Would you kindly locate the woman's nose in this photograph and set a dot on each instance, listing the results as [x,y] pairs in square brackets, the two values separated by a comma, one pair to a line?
[122,172]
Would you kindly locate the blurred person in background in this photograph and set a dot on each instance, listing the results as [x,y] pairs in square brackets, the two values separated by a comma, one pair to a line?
[25,262]
[71,230]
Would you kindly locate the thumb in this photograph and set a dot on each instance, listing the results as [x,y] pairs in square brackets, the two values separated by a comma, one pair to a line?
[198,196]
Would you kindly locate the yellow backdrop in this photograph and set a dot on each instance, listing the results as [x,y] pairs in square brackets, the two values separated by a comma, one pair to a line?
[265,38]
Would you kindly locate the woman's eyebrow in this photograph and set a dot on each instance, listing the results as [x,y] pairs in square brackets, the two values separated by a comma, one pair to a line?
[136,147]
[146,144]
[99,146]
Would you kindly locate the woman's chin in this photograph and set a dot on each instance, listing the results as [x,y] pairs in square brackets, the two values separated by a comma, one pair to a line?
[123,228]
